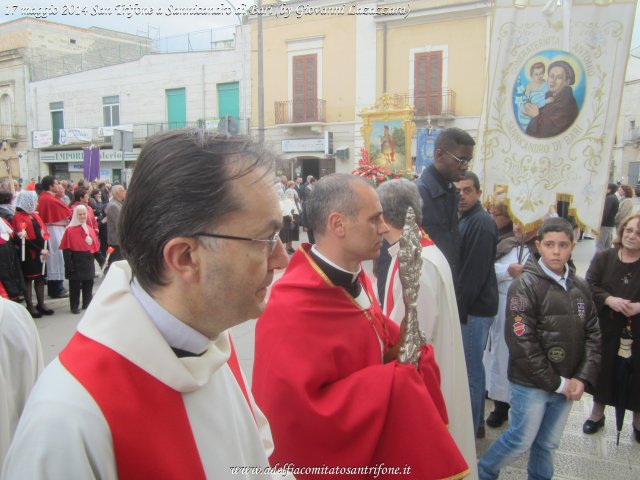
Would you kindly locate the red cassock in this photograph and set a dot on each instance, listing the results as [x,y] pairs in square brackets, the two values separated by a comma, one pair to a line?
[51,209]
[319,378]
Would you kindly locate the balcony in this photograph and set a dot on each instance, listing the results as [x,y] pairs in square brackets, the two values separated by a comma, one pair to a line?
[13,133]
[311,110]
[632,135]
[142,131]
[440,105]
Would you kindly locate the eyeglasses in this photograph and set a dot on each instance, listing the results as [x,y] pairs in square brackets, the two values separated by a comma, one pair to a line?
[269,242]
[461,161]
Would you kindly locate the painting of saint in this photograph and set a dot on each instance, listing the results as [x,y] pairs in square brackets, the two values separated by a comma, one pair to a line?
[548,108]
[387,144]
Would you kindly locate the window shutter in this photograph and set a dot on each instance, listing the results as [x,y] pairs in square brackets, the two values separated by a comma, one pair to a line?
[305,88]
[427,90]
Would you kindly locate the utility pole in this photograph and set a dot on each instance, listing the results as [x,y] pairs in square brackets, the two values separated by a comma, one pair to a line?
[260,76]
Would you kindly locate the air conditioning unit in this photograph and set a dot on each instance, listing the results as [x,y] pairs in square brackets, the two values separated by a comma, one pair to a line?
[342,153]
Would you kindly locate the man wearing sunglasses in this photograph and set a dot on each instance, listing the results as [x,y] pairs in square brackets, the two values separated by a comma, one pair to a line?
[150,386]
[453,152]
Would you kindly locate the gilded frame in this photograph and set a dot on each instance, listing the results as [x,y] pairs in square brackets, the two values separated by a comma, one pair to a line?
[391,117]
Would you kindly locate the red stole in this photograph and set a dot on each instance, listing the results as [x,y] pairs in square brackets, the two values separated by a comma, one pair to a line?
[151,433]
[374,313]
[389,301]
[51,209]
[74,239]
[21,218]
[234,365]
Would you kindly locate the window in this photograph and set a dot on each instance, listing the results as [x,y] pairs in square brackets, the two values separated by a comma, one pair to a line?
[305,88]
[111,111]
[57,120]
[428,83]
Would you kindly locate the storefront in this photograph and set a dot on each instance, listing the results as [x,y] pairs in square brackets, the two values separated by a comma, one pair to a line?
[69,164]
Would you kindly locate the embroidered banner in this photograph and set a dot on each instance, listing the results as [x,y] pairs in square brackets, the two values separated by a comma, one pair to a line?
[551,108]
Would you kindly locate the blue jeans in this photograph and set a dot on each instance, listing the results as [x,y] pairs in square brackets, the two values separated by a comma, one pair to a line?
[536,420]
[474,338]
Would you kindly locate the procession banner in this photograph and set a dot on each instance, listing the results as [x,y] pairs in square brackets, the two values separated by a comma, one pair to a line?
[556,71]
[42,138]
[425,147]
[91,162]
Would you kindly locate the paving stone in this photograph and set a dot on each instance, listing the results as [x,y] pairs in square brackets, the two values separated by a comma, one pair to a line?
[588,468]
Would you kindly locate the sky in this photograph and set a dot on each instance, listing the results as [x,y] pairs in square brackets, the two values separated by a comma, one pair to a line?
[136,17]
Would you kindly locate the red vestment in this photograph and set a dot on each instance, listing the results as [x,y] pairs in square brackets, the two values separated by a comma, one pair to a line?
[23,221]
[143,446]
[52,210]
[151,449]
[319,378]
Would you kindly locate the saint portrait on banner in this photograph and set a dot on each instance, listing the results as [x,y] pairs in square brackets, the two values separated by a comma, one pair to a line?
[547,108]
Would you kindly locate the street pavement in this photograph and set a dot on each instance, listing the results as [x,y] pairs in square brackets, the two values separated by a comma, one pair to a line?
[580,456]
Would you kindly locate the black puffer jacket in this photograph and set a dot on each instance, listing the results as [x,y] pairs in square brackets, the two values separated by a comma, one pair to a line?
[551,332]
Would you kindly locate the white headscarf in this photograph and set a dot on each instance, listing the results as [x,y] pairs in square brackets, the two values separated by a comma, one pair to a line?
[27,200]
[75,221]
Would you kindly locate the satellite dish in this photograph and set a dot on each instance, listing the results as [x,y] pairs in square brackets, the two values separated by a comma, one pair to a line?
[228,126]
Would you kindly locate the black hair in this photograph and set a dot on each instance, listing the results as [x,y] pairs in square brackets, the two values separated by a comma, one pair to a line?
[183,183]
[555,224]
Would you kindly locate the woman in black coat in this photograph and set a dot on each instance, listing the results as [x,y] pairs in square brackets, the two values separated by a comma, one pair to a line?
[78,245]
[614,278]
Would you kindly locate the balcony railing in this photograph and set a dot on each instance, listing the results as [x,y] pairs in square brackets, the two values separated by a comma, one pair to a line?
[142,131]
[435,105]
[13,133]
[300,111]
[632,135]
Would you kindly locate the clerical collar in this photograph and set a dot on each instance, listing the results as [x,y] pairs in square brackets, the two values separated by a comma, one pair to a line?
[338,276]
[559,279]
[183,339]
[394,248]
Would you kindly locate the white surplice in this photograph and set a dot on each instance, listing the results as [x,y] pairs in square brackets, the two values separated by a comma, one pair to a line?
[496,354]
[20,364]
[63,434]
[439,320]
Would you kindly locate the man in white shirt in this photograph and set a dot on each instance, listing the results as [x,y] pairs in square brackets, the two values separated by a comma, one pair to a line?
[149,386]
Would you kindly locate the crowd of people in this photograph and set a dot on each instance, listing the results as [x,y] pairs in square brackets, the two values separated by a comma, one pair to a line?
[331,396]
[56,230]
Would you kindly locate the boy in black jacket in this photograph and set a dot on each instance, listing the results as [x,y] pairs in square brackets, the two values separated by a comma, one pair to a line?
[553,337]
